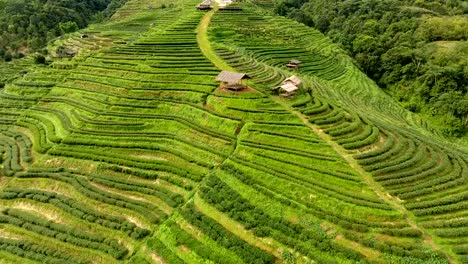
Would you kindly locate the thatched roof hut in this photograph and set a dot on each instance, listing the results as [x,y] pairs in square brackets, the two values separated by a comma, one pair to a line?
[205,5]
[294,64]
[232,80]
[289,87]
[294,80]
[231,77]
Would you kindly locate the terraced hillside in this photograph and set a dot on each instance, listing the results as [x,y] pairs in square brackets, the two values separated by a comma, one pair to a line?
[130,152]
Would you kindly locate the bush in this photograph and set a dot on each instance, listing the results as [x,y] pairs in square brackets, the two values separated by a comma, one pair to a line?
[8,57]
[39,59]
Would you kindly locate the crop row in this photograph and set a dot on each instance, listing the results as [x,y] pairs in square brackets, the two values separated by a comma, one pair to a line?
[445,181]
[41,144]
[358,224]
[171,198]
[421,172]
[62,232]
[147,210]
[390,148]
[10,156]
[314,182]
[183,238]
[225,238]
[334,192]
[121,144]
[285,135]
[345,128]
[261,72]
[37,252]
[416,254]
[293,151]
[129,136]
[89,154]
[355,134]
[148,103]
[307,241]
[156,245]
[76,209]
[181,182]
[271,50]
[185,121]
[23,142]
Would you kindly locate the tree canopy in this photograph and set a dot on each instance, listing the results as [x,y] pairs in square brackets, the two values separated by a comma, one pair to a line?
[415,50]
[27,25]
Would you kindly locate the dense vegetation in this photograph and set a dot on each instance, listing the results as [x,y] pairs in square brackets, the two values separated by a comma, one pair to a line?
[131,152]
[416,50]
[27,25]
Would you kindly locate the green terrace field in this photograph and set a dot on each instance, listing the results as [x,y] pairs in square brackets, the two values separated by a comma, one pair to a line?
[131,153]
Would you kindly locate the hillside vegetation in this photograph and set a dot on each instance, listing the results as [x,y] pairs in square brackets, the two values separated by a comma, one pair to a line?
[417,51]
[27,25]
[130,152]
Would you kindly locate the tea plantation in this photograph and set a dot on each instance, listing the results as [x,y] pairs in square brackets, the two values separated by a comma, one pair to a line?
[130,152]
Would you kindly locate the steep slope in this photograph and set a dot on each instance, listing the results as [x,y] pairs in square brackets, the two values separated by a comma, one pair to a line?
[422,170]
[131,153]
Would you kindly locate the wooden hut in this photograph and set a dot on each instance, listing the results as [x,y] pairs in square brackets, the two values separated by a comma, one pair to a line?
[286,89]
[232,80]
[293,64]
[294,80]
[205,5]
[289,86]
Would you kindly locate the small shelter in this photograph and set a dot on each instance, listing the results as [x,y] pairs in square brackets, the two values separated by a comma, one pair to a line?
[289,89]
[289,86]
[232,80]
[84,36]
[293,64]
[294,80]
[205,5]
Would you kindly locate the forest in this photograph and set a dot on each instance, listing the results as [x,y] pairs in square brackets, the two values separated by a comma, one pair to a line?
[27,25]
[415,50]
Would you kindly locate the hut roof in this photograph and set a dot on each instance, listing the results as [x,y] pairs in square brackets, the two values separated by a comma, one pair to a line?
[206,3]
[294,80]
[289,87]
[295,62]
[231,77]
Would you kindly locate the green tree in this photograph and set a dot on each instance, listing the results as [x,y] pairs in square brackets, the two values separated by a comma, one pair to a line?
[68,27]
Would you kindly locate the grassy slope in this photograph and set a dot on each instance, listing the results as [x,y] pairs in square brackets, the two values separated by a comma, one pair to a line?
[142,133]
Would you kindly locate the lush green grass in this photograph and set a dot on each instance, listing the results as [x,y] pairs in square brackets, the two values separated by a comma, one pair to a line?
[132,140]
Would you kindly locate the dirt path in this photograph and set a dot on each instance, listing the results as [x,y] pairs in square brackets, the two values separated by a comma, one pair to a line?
[205,46]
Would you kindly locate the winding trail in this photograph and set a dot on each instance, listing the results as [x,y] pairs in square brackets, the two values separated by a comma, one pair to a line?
[206,48]
[205,44]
